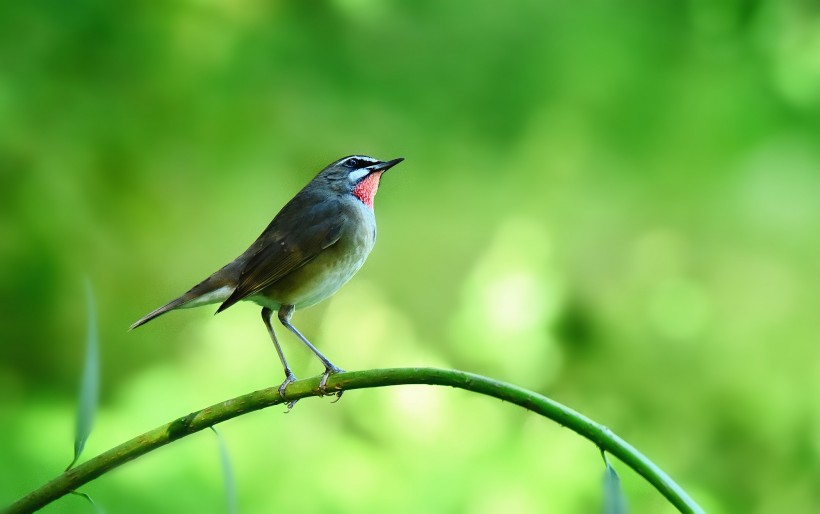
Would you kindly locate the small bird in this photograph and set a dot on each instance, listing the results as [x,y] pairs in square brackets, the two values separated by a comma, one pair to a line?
[313,246]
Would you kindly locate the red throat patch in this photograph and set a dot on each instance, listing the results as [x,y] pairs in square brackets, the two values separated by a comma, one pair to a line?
[366,189]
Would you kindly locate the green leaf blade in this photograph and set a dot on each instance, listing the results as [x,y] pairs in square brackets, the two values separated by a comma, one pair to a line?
[90,381]
[614,499]
[227,472]
[97,508]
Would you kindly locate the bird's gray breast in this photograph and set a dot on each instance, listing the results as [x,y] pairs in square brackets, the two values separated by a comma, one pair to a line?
[333,266]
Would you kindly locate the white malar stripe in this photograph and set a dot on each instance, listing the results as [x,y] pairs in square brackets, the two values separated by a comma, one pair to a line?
[215,296]
[357,175]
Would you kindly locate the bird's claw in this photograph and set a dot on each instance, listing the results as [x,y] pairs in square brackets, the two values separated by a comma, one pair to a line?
[323,382]
[290,377]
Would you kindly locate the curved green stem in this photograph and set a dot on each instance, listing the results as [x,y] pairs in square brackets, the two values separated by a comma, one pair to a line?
[199,420]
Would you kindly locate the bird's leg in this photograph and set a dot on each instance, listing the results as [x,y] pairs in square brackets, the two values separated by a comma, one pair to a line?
[285,312]
[267,314]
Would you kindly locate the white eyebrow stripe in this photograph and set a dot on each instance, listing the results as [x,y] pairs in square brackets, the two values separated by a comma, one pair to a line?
[358,174]
[364,158]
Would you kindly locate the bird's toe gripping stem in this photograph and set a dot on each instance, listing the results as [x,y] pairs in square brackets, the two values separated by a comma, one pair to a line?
[323,383]
[289,377]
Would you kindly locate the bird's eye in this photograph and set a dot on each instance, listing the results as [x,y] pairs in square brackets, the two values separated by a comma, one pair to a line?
[352,163]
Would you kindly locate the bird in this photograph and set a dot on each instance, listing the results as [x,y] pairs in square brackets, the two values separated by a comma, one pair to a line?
[313,246]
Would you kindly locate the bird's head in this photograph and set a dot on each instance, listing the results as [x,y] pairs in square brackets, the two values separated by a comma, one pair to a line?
[358,175]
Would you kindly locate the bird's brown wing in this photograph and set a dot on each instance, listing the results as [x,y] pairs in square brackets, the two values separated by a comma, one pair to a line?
[301,230]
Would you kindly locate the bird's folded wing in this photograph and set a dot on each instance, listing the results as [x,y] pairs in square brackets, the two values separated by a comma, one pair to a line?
[300,231]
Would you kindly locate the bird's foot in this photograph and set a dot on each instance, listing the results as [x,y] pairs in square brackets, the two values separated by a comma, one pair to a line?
[323,383]
[290,377]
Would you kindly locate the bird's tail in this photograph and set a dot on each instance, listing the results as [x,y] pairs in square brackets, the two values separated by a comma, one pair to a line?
[173,304]
[214,289]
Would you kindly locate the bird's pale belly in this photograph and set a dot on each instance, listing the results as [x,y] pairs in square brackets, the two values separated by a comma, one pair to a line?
[321,277]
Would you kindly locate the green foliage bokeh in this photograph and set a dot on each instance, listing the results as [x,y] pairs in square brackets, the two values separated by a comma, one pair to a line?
[614,204]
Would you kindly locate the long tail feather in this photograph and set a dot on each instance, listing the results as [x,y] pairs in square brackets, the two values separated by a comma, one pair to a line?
[162,310]
[214,289]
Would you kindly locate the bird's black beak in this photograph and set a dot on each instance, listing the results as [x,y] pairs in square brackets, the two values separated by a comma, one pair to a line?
[384,166]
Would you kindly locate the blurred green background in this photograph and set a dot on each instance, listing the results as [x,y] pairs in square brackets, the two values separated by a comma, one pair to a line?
[614,204]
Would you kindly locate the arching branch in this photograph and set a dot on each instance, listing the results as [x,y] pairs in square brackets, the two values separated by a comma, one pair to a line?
[209,416]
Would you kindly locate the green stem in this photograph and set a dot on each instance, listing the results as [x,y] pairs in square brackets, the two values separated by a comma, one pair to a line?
[199,420]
